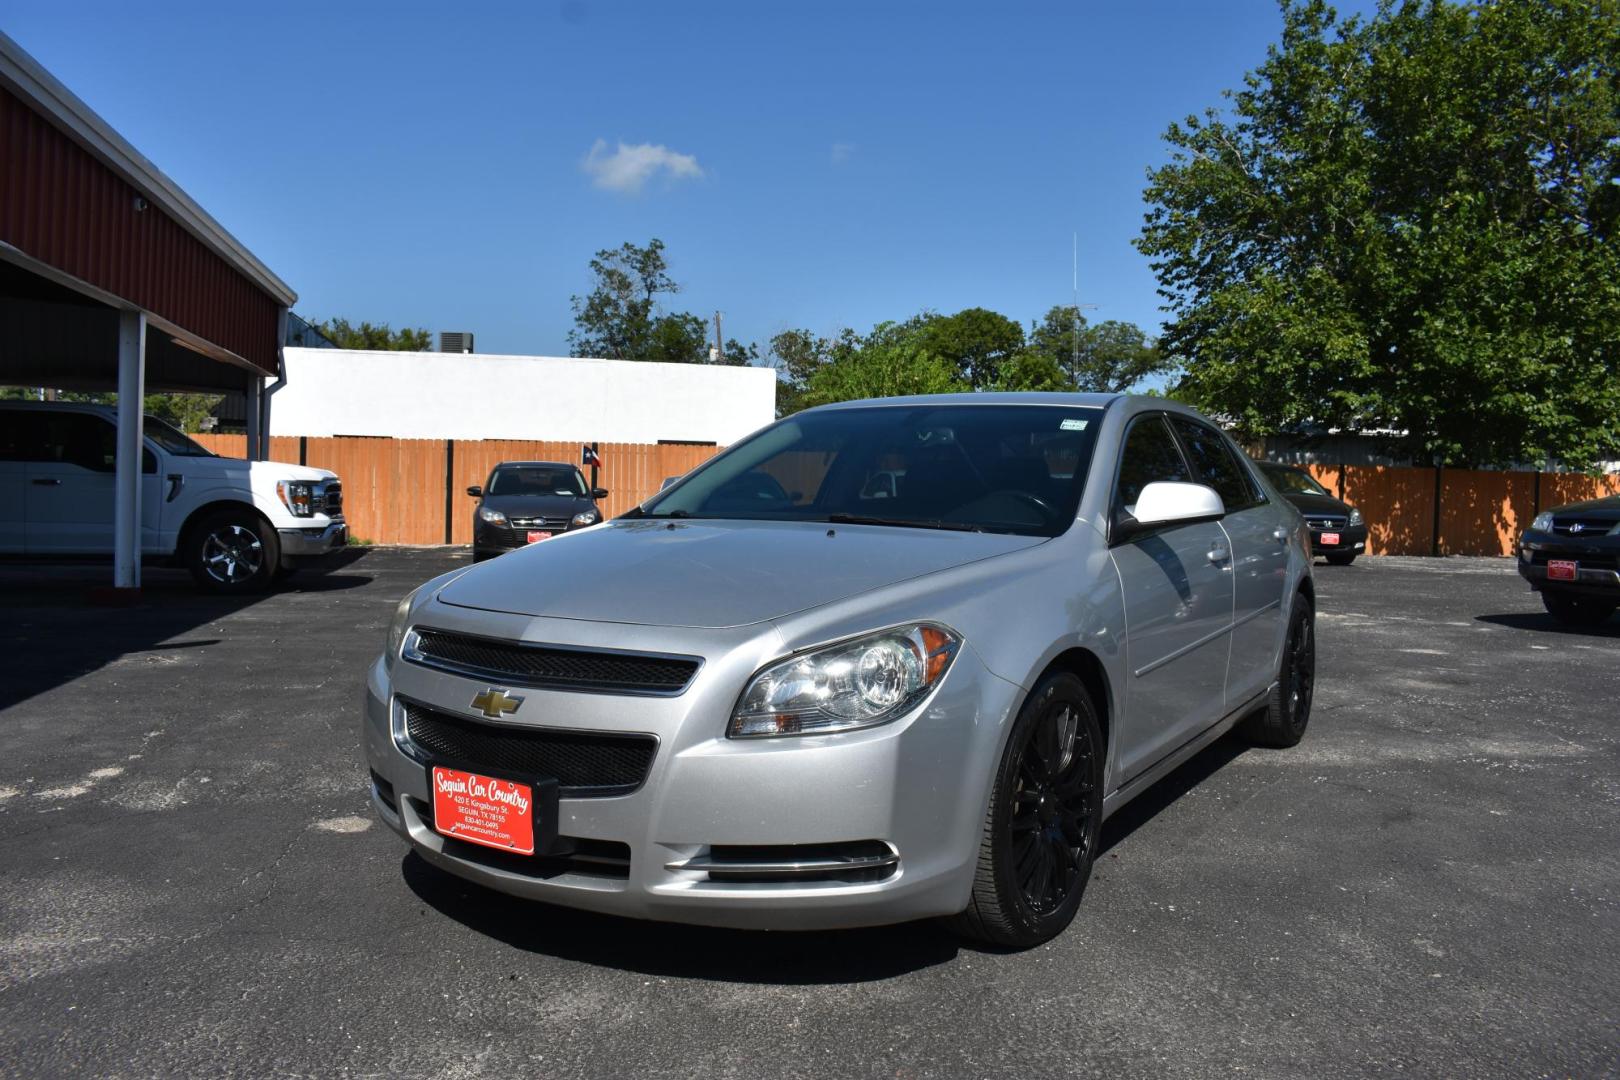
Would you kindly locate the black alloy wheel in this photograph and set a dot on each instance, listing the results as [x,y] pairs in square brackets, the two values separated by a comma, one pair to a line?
[1282,723]
[1042,826]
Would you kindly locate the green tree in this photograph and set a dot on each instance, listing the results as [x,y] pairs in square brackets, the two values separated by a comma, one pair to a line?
[188,412]
[378,336]
[1109,357]
[890,362]
[976,340]
[1407,223]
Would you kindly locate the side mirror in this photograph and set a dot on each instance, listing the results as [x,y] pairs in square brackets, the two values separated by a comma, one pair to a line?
[599,493]
[476,492]
[1165,503]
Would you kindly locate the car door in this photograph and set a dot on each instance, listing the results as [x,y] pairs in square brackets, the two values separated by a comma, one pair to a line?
[69,494]
[1177,586]
[1259,542]
[18,431]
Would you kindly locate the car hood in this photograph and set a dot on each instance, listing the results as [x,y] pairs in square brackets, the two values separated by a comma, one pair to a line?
[526,506]
[1317,504]
[1604,509]
[712,573]
[264,473]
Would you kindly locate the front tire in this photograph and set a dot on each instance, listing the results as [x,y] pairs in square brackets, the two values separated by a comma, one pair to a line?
[1282,723]
[1042,825]
[1577,610]
[233,552]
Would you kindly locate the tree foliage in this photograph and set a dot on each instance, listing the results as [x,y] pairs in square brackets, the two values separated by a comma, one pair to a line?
[1108,357]
[621,317]
[1407,223]
[377,336]
[893,361]
[976,341]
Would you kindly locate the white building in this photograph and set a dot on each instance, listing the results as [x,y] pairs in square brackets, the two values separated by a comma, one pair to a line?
[430,395]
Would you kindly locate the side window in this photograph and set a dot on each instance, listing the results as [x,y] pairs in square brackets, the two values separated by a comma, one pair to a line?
[1149,455]
[80,439]
[19,435]
[1214,466]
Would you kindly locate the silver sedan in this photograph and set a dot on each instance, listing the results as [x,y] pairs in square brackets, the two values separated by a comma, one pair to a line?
[880,661]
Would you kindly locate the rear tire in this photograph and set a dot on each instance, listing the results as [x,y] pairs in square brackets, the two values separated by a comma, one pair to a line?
[1042,826]
[1282,723]
[233,552]
[1341,560]
[1577,610]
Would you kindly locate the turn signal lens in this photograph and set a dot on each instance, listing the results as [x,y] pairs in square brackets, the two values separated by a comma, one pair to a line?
[859,683]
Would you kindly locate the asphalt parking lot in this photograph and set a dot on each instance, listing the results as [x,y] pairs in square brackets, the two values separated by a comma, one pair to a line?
[191,882]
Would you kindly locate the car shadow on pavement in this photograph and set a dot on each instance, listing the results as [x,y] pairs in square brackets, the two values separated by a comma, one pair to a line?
[1546,624]
[1164,794]
[54,629]
[672,949]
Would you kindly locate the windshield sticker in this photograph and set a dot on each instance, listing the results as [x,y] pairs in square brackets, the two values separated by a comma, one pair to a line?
[1073,425]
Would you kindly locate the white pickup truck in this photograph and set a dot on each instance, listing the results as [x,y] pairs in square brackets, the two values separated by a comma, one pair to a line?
[236,525]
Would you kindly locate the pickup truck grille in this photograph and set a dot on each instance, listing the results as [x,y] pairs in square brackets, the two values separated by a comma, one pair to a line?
[587,764]
[522,664]
[328,498]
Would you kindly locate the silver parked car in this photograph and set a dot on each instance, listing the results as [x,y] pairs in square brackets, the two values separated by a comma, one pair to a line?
[770,698]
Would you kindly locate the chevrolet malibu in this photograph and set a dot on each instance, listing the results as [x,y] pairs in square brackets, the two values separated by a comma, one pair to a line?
[769,697]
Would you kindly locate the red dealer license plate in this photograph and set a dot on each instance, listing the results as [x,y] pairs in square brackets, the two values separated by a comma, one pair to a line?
[535,537]
[1330,539]
[1563,570]
[484,810]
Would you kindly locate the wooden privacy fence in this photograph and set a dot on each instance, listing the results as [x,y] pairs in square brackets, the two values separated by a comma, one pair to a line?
[413,491]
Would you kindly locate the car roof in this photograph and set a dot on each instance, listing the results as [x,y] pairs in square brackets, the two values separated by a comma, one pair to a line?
[1091,401]
[537,464]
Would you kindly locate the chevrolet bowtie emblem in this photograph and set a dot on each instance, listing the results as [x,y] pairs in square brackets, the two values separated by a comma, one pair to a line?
[496,703]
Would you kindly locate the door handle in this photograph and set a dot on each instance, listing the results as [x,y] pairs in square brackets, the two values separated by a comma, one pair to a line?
[1219,554]
[47,481]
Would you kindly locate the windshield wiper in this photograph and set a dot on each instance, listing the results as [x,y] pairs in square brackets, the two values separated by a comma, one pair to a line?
[904,523]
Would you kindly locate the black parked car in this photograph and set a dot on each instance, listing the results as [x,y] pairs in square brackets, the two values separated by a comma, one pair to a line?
[1337,531]
[1571,556]
[525,502]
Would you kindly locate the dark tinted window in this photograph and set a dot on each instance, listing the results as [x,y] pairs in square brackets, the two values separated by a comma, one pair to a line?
[172,439]
[1150,456]
[1214,465]
[19,435]
[72,438]
[536,480]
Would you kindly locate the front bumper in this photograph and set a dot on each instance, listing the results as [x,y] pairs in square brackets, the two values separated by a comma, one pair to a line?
[303,545]
[1352,541]
[491,539]
[917,786]
[1597,562]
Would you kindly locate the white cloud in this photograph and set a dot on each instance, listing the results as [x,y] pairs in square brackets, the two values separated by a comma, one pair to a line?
[842,152]
[628,168]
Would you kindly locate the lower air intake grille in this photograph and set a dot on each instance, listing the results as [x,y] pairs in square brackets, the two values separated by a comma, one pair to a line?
[586,764]
[551,666]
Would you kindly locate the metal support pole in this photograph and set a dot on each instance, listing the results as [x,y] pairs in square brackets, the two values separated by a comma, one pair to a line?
[127,467]
[255,419]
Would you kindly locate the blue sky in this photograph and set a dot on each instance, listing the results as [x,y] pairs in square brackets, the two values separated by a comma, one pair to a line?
[821,164]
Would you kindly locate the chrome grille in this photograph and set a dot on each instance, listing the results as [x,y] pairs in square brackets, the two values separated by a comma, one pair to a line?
[555,666]
[1326,521]
[1577,526]
[540,522]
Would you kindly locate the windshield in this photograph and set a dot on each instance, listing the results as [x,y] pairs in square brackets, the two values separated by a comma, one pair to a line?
[172,440]
[1292,481]
[995,468]
[536,480]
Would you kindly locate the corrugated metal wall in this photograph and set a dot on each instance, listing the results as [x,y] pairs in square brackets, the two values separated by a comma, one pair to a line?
[63,207]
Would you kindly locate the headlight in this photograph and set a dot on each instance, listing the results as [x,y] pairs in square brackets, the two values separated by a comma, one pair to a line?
[397,628]
[859,683]
[1355,517]
[298,496]
[587,517]
[494,517]
[1543,522]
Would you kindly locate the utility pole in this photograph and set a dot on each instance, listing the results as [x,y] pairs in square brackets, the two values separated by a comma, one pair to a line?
[718,353]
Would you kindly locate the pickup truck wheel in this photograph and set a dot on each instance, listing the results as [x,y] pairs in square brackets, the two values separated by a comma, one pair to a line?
[1282,723]
[233,551]
[1042,826]
[1577,610]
